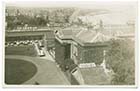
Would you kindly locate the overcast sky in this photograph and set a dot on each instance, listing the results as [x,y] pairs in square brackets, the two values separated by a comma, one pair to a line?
[81,4]
[128,7]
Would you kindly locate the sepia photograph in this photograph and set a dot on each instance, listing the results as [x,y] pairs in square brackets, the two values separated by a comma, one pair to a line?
[70,43]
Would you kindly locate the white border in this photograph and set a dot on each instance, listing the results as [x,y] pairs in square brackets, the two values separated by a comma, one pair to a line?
[61,86]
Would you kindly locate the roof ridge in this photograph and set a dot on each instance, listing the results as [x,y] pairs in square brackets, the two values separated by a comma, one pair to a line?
[95,37]
[80,33]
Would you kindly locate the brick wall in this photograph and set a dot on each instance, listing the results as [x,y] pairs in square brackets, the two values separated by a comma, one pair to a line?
[59,52]
[90,54]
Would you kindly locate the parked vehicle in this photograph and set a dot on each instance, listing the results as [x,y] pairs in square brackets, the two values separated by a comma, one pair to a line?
[40,44]
[41,54]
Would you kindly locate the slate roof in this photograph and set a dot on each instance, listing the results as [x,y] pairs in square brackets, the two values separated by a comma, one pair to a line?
[69,32]
[65,34]
[83,37]
[86,36]
[94,76]
[89,36]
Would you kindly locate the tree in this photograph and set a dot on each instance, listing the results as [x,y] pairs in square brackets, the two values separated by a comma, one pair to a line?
[121,60]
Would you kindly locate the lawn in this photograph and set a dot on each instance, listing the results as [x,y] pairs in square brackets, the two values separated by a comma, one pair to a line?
[27,50]
[18,71]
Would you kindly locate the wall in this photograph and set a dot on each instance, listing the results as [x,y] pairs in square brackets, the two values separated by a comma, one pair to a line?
[19,38]
[59,52]
[76,53]
[93,54]
[90,54]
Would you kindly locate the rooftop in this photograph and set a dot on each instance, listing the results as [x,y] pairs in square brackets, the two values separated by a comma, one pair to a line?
[95,76]
[92,36]
[83,36]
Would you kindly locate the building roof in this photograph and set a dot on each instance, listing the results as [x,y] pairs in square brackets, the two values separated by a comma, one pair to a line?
[83,37]
[89,36]
[75,29]
[69,32]
[86,36]
[65,34]
[95,76]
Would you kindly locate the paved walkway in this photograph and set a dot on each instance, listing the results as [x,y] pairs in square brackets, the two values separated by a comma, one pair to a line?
[48,73]
[47,55]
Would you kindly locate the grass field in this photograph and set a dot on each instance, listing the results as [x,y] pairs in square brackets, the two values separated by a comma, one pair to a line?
[27,50]
[18,71]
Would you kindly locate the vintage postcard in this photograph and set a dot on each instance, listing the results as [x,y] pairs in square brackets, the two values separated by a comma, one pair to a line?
[71,43]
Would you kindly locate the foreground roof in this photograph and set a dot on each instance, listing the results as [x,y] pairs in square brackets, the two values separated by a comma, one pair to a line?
[95,76]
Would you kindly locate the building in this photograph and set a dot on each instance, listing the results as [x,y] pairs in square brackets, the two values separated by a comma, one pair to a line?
[40,34]
[82,54]
[76,53]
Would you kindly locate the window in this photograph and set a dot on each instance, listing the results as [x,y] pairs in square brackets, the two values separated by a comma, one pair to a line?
[67,51]
[75,51]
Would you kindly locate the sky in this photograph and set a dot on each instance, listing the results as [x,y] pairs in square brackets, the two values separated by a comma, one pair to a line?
[129,7]
[80,4]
